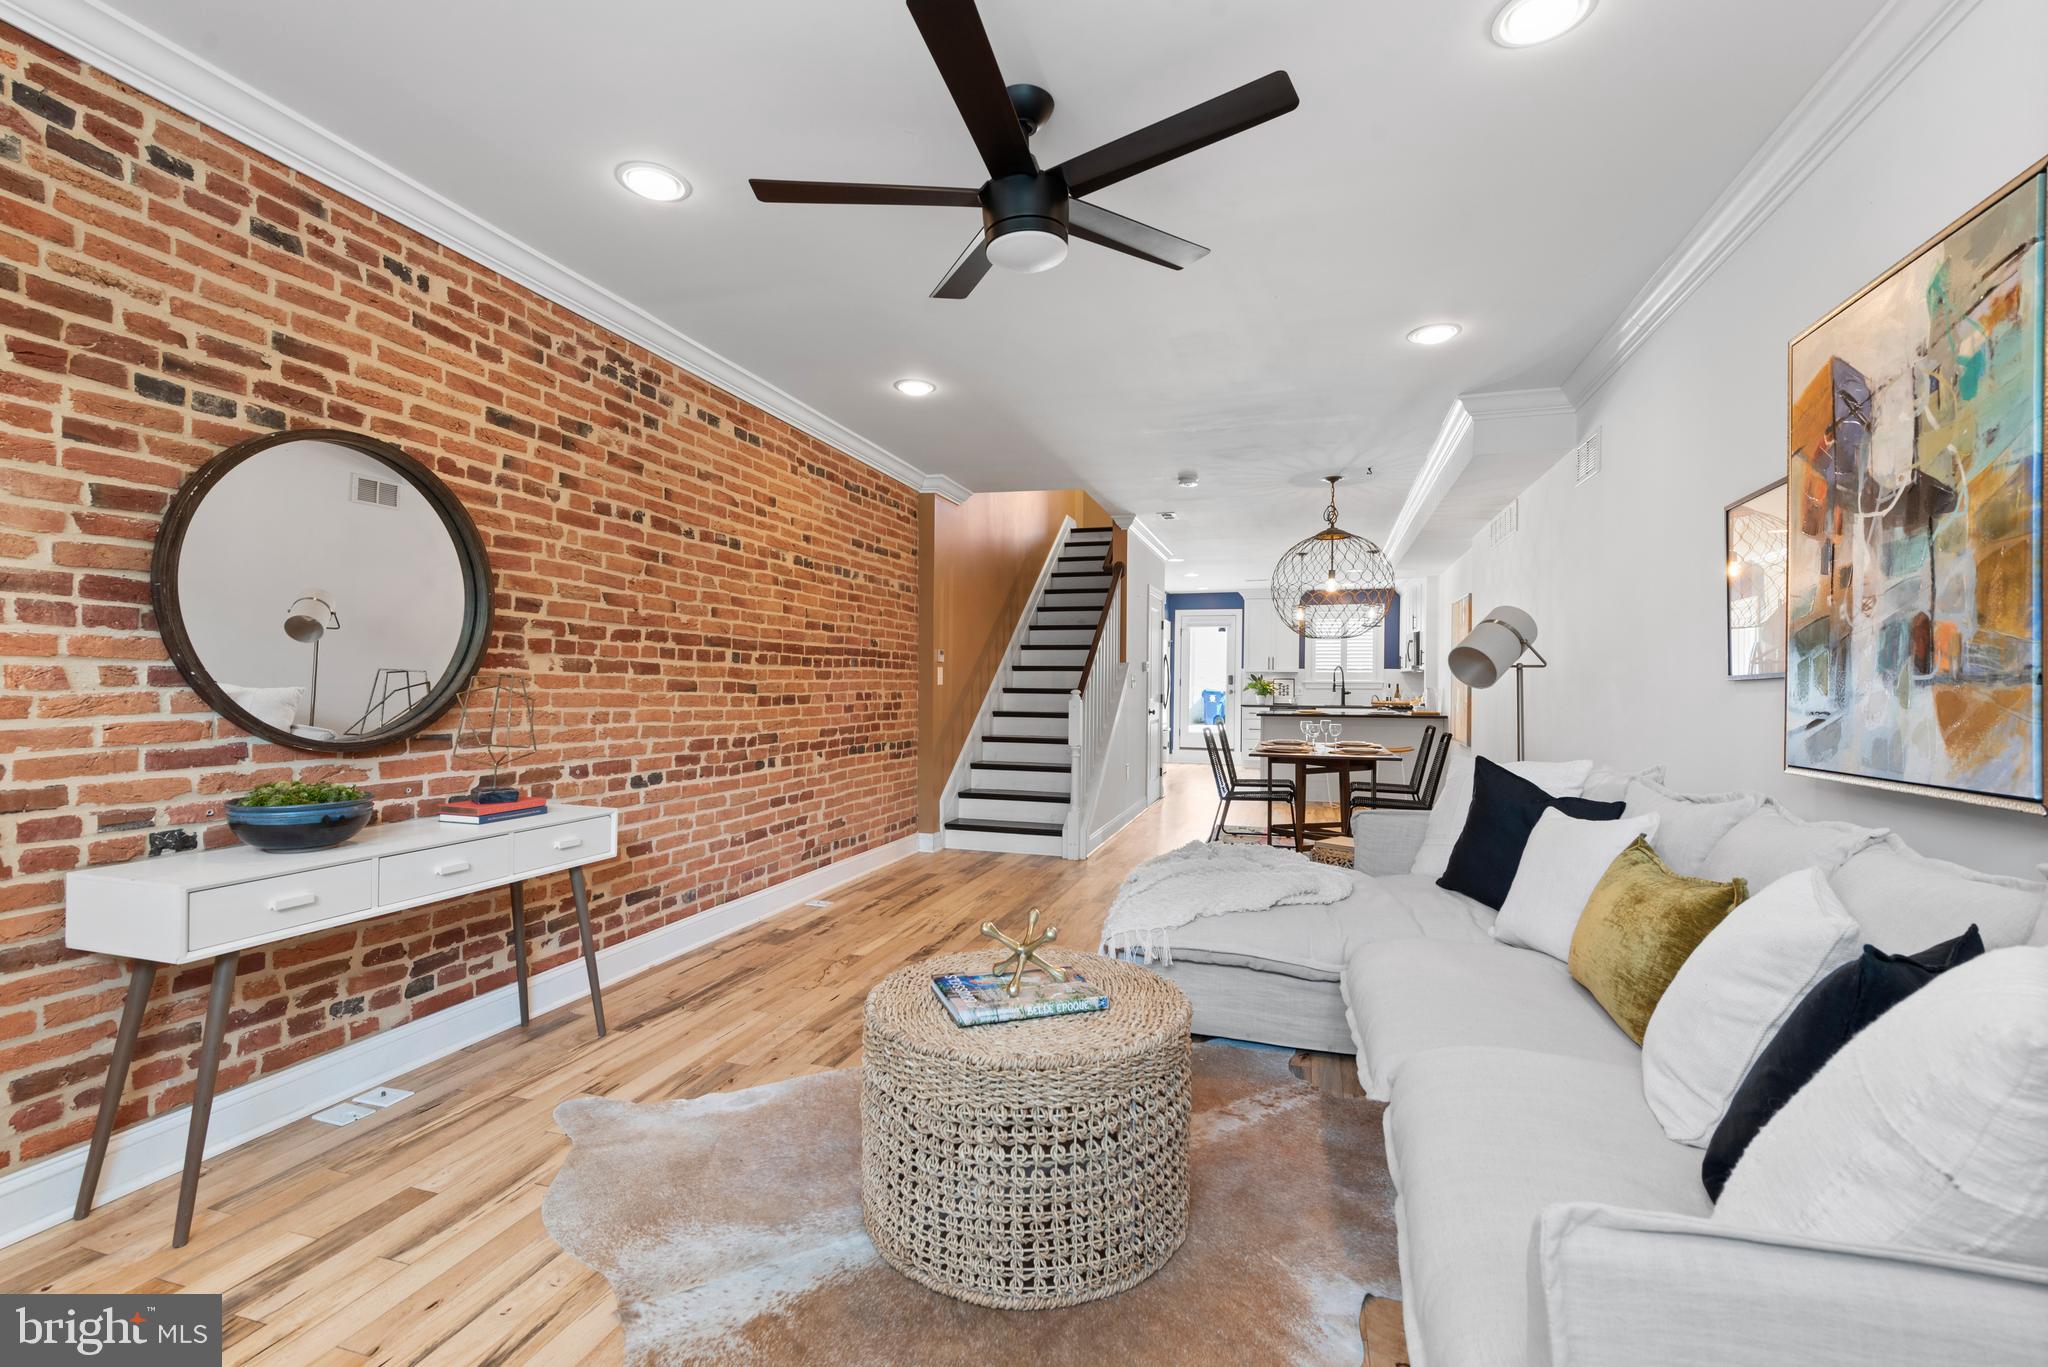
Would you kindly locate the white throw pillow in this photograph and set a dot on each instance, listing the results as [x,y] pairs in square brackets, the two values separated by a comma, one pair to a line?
[277,706]
[1729,998]
[1927,1130]
[1689,824]
[1771,842]
[1454,800]
[1611,785]
[1906,901]
[1561,865]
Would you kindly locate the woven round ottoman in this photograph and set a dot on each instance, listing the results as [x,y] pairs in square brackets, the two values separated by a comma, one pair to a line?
[1033,1164]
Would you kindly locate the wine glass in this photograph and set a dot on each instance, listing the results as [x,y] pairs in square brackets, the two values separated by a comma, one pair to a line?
[1336,729]
[1308,732]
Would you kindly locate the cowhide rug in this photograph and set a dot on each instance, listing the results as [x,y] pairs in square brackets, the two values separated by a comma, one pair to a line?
[729,1227]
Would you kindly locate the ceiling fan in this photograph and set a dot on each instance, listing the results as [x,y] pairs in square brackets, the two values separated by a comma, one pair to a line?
[1027,214]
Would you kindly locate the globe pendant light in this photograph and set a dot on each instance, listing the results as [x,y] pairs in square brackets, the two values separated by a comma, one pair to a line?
[1333,585]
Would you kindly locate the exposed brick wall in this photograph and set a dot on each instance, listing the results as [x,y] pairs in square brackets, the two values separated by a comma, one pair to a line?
[719,613]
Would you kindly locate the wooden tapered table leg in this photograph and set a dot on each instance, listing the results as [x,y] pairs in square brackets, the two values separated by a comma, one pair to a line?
[141,976]
[589,948]
[202,1092]
[519,943]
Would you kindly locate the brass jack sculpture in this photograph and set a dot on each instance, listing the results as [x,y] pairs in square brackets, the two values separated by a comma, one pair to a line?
[1024,953]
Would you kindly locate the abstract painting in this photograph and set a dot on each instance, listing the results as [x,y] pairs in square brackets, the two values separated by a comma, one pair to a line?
[1755,536]
[1913,538]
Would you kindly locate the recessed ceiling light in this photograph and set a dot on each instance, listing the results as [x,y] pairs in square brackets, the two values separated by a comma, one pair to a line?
[1187,479]
[915,388]
[1194,574]
[649,181]
[1525,23]
[1434,334]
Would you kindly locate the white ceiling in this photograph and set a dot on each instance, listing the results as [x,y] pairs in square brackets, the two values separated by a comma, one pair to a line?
[1427,175]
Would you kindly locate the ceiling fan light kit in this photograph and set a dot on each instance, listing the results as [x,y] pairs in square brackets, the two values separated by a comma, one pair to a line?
[1030,214]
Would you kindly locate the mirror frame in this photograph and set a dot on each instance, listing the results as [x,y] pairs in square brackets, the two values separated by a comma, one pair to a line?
[469,549]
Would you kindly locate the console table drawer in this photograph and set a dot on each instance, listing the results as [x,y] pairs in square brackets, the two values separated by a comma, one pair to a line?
[270,907]
[445,871]
[579,842]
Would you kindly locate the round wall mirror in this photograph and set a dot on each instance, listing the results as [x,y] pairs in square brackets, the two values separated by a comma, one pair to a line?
[321,589]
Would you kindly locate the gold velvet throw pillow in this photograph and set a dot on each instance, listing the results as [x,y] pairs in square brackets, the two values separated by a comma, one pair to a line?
[1640,924]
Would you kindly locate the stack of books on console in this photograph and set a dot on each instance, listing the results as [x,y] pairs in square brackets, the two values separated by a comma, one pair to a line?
[470,813]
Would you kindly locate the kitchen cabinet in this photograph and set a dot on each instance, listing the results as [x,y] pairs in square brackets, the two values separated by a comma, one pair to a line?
[1269,645]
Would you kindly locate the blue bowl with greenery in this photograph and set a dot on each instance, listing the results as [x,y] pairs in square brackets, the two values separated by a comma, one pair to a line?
[300,816]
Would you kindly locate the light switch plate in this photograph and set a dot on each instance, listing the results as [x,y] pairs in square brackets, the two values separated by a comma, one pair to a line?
[380,1097]
[345,1113]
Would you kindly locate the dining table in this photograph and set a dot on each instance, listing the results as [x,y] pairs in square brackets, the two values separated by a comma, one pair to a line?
[1341,758]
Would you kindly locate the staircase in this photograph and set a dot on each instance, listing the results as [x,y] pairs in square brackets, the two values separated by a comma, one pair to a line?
[1020,774]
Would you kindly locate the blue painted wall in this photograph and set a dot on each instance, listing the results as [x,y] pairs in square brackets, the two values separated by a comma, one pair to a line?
[1175,603]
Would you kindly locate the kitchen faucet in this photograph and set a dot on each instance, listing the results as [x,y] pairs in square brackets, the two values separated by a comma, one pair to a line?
[1343,687]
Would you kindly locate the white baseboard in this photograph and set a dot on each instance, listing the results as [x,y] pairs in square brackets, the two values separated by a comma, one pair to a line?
[1099,837]
[41,1194]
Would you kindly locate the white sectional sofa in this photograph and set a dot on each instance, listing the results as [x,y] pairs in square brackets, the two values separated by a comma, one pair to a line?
[1544,1216]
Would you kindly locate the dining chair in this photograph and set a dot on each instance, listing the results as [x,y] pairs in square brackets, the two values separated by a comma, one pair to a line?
[1430,771]
[1361,794]
[1230,788]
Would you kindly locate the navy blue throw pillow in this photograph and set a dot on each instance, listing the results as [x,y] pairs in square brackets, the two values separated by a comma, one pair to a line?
[1826,1018]
[1505,809]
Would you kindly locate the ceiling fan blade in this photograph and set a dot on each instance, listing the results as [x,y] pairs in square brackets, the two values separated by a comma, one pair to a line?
[853,192]
[966,272]
[1247,106]
[959,44]
[1093,223]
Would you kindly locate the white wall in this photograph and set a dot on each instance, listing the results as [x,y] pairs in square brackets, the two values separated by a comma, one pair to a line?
[1623,574]
[1134,746]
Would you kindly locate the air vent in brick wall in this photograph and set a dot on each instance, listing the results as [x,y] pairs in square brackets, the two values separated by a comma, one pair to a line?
[1505,523]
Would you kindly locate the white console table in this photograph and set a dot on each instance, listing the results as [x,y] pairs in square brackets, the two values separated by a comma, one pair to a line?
[213,904]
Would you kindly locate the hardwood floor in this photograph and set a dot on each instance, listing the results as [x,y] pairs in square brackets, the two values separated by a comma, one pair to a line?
[415,1235]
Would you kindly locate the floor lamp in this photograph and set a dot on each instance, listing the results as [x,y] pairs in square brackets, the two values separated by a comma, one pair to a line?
[1494,647]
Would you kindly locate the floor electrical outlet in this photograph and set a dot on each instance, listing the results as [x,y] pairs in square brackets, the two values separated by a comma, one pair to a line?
[380,1097]
[346,1113]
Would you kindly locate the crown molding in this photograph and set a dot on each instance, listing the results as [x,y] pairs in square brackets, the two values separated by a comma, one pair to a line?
[1448,456]
[1872,66]
[946,487]
[182,79]
[1134,523]
[1519,403]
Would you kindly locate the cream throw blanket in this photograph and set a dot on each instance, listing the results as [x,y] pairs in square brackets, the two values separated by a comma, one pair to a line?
[1200,879]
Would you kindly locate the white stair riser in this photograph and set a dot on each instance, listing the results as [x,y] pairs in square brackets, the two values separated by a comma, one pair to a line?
[1053,655]
[1002,842]
[1077,636]
[1013,701]
[1047,678]
[1031,726]
[1067,583]
[1057,781]
[1056,619]
[1024,752]
[1090,603]
[1075,539]
[1009,809]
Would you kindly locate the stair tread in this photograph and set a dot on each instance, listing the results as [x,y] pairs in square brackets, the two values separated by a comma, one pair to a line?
[1021,712]
[1038,690]
[1013,795]
[1020,766]
[1029,740]
[1049,669]
[968,823]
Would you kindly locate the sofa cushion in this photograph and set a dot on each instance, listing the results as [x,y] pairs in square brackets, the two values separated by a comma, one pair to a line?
[1905,901]
[1771,842]
[1637,930]
[1611,785]
[1733,993]
[1407,997]
[1454,798]
[1482,1141]
[1689,825]
[1563,862]
[1314,942]
[1828,1017]
[1505,808]
[1929,1130]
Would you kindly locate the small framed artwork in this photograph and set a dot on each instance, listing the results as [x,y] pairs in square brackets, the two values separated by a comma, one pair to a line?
[1754,527]
[1283,688]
